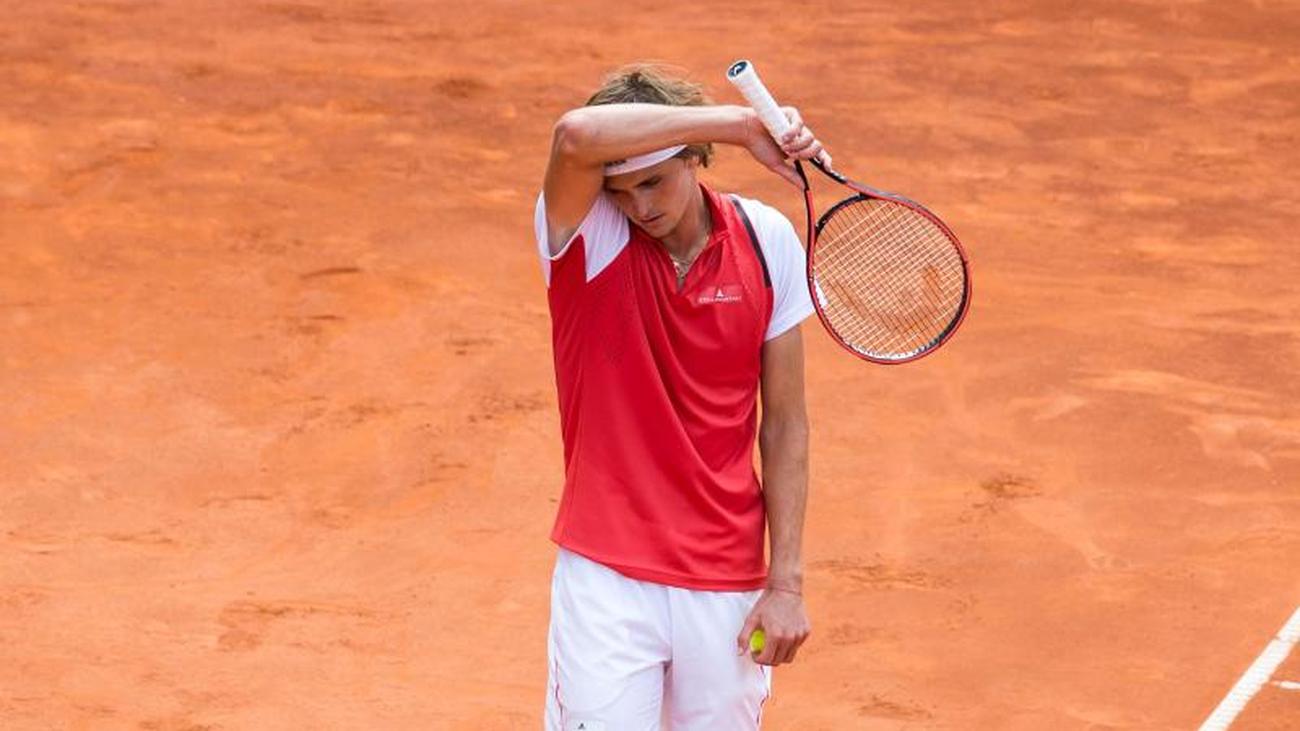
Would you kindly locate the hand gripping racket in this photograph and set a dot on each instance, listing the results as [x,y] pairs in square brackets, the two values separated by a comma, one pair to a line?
[889,280]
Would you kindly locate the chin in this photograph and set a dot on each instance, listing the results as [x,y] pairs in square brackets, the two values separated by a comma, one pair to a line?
[661,227]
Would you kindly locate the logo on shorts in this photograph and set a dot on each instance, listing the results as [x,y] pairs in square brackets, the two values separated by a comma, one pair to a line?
[720,295]
[580,725]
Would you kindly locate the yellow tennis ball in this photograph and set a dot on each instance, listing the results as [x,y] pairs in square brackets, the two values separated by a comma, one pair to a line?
[757,641]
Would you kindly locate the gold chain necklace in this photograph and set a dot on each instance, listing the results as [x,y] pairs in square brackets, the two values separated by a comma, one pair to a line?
[683,265]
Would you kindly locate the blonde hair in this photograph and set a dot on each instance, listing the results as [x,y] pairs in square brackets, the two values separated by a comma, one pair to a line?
[644,83]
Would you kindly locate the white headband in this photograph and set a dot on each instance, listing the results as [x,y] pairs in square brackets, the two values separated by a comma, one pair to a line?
[618,167]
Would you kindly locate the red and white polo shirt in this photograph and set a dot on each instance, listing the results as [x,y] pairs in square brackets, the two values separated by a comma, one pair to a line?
[658,390]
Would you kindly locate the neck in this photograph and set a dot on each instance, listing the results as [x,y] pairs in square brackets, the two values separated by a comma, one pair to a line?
[692,231]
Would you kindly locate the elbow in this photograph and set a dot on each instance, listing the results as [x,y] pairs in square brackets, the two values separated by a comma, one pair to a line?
[572,134]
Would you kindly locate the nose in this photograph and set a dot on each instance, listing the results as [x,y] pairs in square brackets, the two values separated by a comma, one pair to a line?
[641,207]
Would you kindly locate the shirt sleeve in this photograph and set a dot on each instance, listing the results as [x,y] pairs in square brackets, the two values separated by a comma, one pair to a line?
[786,264]
[604,233]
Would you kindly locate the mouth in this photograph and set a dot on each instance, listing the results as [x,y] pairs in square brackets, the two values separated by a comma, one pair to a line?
[647,221]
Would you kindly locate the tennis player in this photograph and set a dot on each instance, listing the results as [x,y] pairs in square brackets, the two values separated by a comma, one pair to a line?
[673,307]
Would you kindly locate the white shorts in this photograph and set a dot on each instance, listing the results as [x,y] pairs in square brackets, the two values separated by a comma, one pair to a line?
[629,655]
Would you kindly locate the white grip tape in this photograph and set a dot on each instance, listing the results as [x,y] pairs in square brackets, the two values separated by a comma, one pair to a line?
[743,75]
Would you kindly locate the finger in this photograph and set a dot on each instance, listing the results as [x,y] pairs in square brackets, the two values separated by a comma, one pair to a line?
[793,652]
[813,152]
[771,651]
[825,158]
[800,142]
[747,629]
[795,642]
[788,172]
[785,649]
[804,149]
[794,131]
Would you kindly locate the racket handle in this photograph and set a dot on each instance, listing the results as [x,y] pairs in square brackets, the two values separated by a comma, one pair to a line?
[743,75]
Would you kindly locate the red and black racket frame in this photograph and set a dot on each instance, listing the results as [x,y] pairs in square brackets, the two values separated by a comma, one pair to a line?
[863,192]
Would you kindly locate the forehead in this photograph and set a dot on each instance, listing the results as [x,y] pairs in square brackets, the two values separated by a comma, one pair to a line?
[628,181]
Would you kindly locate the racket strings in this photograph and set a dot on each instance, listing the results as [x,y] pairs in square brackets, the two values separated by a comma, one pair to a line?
[892,284]
[907,259]
[884,319]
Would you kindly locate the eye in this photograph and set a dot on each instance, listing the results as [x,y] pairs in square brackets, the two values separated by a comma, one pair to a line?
[649,182]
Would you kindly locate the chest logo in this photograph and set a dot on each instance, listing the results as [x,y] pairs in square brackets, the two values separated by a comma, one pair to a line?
[721,294]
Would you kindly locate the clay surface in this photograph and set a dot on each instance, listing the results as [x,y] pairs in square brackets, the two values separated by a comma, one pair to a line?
[277,415]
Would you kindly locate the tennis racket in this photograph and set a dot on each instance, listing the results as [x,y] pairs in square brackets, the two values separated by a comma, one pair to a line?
[889,280]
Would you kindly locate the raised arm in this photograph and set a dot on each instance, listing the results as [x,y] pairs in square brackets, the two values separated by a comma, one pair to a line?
[584,139]
[588,137]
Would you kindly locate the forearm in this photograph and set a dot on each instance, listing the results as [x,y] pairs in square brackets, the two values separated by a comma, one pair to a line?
[784,447]
[615,131]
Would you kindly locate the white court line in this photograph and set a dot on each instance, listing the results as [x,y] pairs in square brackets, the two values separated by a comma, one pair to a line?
[1287,684]
[1256,676]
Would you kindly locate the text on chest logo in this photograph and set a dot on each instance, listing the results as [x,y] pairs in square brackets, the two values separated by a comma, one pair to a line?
[721,294]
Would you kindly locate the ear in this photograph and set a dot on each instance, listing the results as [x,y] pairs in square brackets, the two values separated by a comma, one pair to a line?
[691,167]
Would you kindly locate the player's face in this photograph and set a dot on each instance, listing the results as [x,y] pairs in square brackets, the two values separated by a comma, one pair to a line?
[657,197]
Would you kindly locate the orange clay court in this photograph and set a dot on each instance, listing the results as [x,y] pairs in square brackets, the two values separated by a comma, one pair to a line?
[280,443]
